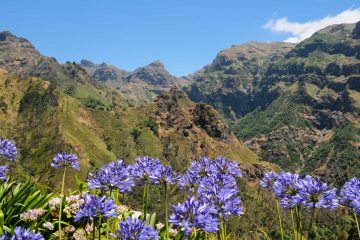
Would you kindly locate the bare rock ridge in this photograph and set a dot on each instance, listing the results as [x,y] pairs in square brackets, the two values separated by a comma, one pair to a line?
[235,77]
[141,85]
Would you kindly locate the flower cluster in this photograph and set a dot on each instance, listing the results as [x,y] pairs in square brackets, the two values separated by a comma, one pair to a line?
[133,228]
[292,191]
[8,150]
[112,176]
[94,208]
[217,195]
[221,191]
[23,234]
[2,172]
[32,214]
[194,214]
[62,160]
[350,194]
[145,169]
[163,175]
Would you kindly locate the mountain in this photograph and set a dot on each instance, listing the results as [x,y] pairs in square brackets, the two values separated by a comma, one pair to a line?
[47,107]
[296,106]
[103,72]
[139,86]
[235,77]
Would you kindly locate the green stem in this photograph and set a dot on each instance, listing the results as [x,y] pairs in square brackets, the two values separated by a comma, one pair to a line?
[311,220]
[117,198]
[99,228]
[166,211]
[93,230]
[293,224]
[61,202]
[357,223]
[107,220]
[145,201]
[224,229]
[280,221]
[297,211]
[218,234]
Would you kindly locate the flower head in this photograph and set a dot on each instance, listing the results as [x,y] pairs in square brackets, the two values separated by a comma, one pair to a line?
[163,175]
[268,180]
[224,166]
[65,160]
[32,214]
[350,194]
[133,228]
[221,192]
[114,175]
[95,207]
[194,214]
[285,189]
[2,172]
[48,225]
[315,193]
[25,234]
[144,168]
[8,150]
[206,167]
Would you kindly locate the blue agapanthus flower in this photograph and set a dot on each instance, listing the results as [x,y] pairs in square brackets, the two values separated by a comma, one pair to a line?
[62,160]
[205,167]
[113,175]
[221,191]
[196,171]
[224,166]
[285,189]
[194,214]
[144,168]
[163,175]
[315,193]
[133,228]
[95,207]
[350,194]
[23,234]
[8,150]
[2,172]
[268,180]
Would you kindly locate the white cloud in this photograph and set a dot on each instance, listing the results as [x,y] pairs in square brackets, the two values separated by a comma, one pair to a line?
[300,31]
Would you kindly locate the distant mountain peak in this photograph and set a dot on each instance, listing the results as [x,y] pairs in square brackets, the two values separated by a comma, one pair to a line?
[4,35]
[156,64]
[86,63]
[8,36]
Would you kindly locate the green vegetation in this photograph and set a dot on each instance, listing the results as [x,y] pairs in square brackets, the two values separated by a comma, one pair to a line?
[285,111]
[339,156]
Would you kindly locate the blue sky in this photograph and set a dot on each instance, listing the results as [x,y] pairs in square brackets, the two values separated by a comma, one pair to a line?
[184,34]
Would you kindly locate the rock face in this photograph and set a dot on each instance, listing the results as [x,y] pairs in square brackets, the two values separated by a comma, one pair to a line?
[316,101]
[195,130]
[19,56]
[141,85]
[235,77]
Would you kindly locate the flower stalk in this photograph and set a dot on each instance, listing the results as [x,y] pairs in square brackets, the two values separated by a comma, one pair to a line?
[61,201]
[357,223]
[311,220]
[280,221]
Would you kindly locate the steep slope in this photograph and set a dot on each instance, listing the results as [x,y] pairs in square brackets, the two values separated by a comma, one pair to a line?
[232,82]
[46,115]
[313,125]
[139,86]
